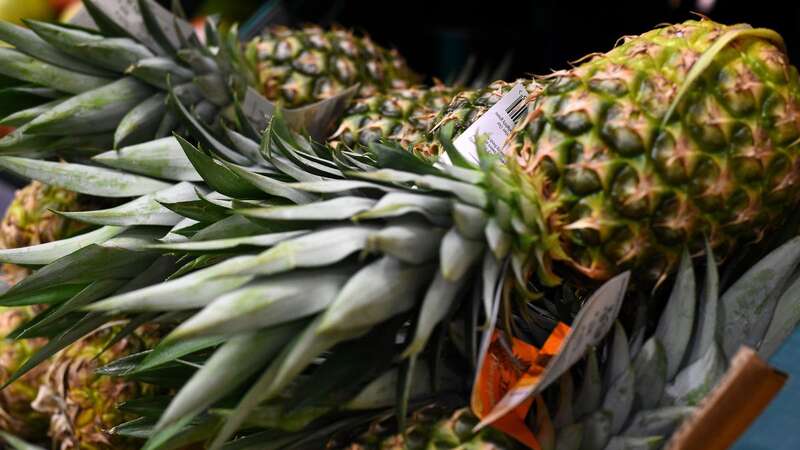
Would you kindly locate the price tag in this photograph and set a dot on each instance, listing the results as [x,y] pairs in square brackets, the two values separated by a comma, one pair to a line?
[497,124]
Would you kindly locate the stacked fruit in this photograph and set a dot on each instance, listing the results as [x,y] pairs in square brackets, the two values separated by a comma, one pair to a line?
[308,288]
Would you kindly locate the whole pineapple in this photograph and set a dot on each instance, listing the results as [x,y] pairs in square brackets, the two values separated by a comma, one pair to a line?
[81,404]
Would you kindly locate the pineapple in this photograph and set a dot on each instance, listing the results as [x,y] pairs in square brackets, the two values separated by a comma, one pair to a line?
[98,90]
[16,415]
[81,404]
[412,117]
[383,244]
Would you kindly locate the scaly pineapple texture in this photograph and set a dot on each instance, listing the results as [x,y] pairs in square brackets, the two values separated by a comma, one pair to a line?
[667,138]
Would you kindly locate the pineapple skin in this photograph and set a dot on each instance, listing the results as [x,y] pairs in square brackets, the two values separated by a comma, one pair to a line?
[603,181]
[309,64]
[16,415]
[83,406]
[404,116]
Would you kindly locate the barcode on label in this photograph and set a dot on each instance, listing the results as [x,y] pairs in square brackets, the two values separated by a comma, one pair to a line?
[495,124]
[517,109]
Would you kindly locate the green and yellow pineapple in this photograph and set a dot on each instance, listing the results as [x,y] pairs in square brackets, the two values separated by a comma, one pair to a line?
[302,66]
[30,220]
[686,131]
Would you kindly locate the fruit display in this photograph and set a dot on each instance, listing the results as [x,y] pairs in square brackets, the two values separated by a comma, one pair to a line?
[260,267]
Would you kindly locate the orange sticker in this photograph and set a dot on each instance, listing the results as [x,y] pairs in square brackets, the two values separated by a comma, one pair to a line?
[509,366]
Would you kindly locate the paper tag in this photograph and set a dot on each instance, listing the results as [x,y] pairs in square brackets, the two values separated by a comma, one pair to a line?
[497,123]
[508,367]
[589,327]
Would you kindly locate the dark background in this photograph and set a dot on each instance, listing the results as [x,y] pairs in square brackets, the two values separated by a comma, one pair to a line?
[437,37]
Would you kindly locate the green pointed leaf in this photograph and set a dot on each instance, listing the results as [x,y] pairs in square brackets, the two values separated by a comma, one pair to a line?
[263,240]
[100,109]
[458,255]
[162,158]
[590,396]
[16,443]
[198,131]
[784,320]
[218,176]
[23,116]
[202,293]
[704,335]
[439,300]
[658,422]
[42,296]
[340,208]
[26,41]
[266,303]
[596,430]
[140,123]
[46,253]
[296,356]
[270,186]
[746,308]
[394,157]
[316,249]
[635,443]
[155,71]
[167,352]
[115,54]
[694,382]
[23,67]
[376,293]
[410,242]
[230,366]
[83,179]
[396,204]
[77,331]
[676,323]
[145,210]
[90,293]
[86,265]
[650,367]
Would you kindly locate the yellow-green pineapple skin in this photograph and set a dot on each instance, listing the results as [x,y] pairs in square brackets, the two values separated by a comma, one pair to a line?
[601,180]
[16,414]
[309,64]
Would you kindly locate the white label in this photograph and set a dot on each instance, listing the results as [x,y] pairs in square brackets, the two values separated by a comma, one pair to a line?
[497,123]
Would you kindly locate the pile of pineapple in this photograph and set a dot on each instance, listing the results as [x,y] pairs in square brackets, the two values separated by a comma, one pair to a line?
[194,267]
